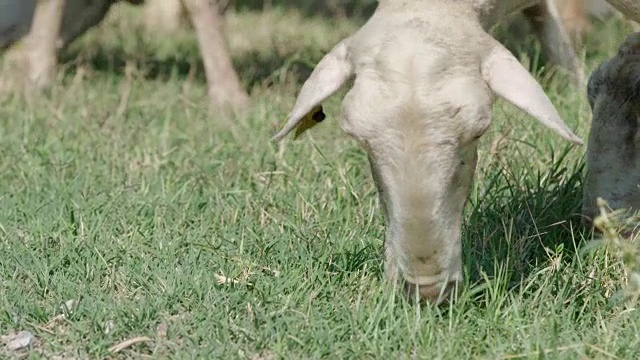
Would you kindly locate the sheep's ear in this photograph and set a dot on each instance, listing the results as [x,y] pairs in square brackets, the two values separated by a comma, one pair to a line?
[511,81]
[330,74]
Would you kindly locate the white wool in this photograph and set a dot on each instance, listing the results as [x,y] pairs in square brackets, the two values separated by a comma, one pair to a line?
[425,74]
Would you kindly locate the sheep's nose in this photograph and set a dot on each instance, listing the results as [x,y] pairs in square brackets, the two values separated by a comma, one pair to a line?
[437,293]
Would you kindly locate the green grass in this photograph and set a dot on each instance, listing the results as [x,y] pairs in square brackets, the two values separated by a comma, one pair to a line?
[158,219]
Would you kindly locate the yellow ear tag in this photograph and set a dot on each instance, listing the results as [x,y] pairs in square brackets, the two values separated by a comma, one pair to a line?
[310,120]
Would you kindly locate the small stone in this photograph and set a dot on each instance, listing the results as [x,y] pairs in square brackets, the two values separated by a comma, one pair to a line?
[18,341]
[108,326]
[68,307]
[161,330]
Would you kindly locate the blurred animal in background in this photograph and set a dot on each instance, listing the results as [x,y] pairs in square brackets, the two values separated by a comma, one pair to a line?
[43,27]
[613,151]
[578,16]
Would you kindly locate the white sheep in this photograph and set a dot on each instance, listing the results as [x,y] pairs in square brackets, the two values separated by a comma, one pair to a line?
[425,73]
[613,151]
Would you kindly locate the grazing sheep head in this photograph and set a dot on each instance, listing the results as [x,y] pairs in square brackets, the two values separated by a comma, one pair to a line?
[613,151]
[425,74]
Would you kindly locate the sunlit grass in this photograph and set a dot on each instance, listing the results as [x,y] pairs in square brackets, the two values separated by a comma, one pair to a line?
[123,193]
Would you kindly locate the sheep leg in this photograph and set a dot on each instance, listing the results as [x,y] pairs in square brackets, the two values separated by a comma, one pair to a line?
[555,41]
[223,82]
[630,8]
[41,43]
[574,16]
[163,16]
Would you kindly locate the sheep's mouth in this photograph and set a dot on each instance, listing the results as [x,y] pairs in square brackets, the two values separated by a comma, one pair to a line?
[441,294]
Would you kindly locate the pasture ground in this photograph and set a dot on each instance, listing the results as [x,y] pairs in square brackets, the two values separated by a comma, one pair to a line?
[128,211]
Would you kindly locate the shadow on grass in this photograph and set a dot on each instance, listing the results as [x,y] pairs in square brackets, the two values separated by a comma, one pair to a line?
[254,68]
[524,220]
[357,259]
[361,9]
[114,61]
